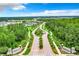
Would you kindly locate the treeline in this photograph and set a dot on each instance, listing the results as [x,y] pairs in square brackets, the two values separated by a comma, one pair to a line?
[15,18]
[66,31]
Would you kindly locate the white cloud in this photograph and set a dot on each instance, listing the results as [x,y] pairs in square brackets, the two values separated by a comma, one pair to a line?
[14,6]
[50,13]
[55,13]
[18,7]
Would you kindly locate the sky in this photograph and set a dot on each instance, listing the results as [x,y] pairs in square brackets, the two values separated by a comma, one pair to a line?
[38,9]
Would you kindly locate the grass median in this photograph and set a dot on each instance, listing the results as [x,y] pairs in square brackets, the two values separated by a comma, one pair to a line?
[39,33]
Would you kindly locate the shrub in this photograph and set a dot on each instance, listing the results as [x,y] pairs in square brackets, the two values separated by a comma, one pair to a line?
[3,50]
[40,43]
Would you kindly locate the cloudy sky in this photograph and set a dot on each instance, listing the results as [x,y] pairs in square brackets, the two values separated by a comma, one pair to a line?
[39,9]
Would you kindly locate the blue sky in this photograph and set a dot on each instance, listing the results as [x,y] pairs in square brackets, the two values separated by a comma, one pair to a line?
[39,9]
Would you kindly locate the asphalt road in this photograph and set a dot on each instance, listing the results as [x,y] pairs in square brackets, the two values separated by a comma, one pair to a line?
[36,51]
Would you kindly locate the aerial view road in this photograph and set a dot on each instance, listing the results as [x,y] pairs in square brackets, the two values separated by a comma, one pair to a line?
[46,51]
[37,29]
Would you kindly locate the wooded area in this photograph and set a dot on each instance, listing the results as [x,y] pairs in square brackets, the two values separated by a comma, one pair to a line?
[12,36]
[66,30]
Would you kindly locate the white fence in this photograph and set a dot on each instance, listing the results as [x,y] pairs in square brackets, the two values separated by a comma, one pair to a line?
[14,51]
[68,50]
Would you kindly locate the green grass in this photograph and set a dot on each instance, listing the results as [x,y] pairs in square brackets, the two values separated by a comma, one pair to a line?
[40,43]
[51,44]
[29,46]
[30,40]
[39,32]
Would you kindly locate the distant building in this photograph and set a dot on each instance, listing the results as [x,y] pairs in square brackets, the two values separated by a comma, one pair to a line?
[4,23]
[30,23]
